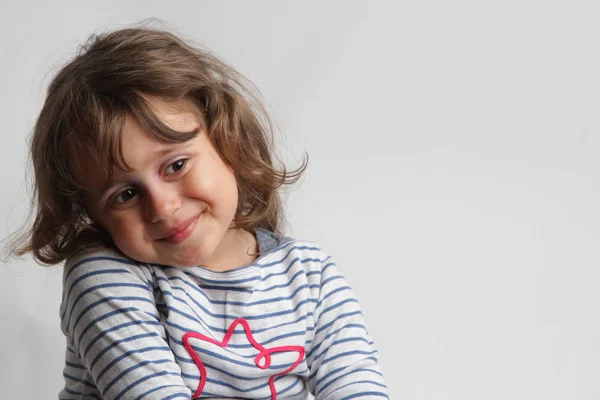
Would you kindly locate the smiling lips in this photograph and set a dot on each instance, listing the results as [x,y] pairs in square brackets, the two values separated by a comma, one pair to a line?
[182,232]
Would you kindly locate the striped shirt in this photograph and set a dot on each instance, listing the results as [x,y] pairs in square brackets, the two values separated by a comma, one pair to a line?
[283,326]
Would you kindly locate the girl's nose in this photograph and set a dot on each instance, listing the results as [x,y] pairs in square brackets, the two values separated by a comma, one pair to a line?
[162,203]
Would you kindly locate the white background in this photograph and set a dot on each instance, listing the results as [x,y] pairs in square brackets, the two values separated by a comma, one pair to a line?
[454,175]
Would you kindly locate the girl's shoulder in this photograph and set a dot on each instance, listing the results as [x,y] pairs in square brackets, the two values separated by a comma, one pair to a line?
[102,262]
[102,281]
[284,249]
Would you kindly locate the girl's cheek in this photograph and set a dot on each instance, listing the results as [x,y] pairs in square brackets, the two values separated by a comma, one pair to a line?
[123,229]
[196,185]
[130,230]
[128,241]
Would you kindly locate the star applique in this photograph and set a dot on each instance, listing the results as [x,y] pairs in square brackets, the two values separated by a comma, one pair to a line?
[262,360]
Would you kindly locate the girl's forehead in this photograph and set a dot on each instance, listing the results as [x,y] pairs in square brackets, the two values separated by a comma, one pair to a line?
[95,163]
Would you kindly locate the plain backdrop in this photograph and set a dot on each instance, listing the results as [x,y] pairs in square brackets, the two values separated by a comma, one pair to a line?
[454,174]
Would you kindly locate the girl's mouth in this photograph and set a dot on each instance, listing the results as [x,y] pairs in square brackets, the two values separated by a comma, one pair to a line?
[181,232]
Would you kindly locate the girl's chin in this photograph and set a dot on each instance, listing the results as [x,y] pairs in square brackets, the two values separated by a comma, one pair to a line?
[183,258]
[183,255]
[179,260]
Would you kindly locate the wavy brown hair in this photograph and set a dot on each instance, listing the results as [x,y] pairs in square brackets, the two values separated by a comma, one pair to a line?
[84,114]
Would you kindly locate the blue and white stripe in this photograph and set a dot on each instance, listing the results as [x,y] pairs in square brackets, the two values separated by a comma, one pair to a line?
[124,322]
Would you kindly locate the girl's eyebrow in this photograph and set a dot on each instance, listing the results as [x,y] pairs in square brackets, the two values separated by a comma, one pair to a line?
[163,152]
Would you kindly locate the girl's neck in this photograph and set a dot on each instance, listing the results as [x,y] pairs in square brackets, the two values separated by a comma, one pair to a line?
[237,249]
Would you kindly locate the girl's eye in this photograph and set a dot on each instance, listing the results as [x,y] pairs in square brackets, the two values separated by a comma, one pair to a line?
[175,167]
[125,196]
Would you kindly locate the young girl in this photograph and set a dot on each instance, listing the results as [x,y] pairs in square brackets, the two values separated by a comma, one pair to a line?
[155,182]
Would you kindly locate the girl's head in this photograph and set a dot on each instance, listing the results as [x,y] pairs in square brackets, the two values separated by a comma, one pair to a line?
[154,146]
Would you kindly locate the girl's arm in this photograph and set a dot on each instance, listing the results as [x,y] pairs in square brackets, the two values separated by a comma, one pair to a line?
[117,347]
[342,358]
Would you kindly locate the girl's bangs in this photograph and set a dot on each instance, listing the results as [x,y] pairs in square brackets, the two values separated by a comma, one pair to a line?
[97,142]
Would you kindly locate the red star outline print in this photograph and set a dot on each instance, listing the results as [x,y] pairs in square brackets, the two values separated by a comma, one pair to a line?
[262,360]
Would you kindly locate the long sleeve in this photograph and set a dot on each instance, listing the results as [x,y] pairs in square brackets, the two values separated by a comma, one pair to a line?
[342,357]
[116,345]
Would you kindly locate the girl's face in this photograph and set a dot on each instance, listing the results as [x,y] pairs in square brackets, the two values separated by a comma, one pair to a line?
[177,205]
